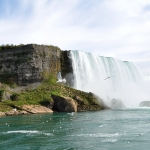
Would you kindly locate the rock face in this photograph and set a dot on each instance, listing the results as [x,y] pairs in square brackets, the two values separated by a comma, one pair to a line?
[64,104]
[116,103]
[144,104]
[28,63]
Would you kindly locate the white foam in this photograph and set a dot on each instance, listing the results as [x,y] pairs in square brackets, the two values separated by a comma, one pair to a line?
[28,132]
[23,131]
[103,125]
[99,135]
[110,140]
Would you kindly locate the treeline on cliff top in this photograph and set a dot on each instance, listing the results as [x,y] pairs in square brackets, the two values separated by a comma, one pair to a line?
[12,46]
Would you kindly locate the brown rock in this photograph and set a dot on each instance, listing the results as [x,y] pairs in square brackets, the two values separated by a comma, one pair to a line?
[2,114]
[23,112]
[15,112]
[12,112]
[64,104]
[78,99]
[34,109]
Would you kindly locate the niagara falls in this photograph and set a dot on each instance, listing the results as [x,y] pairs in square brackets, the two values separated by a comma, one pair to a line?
[109,78]
[74,74]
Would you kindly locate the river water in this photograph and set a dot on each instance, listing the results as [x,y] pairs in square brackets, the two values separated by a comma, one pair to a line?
[102,130]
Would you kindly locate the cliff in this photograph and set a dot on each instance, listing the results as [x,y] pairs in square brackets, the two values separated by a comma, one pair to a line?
[28,63]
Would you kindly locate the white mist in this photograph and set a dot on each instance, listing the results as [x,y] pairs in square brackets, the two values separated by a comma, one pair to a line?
[109,78]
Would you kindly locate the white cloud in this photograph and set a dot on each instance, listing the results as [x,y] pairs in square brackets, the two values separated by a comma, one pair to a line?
[108,27]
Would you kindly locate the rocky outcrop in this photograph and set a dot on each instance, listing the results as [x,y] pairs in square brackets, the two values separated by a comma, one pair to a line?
[94,104]
[78,99]
[144,104]
[68,104]
[116,103]
[16,112]
[6,95]
[36,109]
[2,114]
[27,109]
[64,104]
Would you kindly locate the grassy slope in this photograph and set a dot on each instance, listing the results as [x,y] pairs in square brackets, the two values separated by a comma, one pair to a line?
[42,95]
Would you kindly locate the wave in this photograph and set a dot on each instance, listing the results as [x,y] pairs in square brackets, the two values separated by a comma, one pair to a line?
[99,135]
[28,132]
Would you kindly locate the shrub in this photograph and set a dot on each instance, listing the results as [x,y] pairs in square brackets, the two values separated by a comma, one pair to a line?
[14,97]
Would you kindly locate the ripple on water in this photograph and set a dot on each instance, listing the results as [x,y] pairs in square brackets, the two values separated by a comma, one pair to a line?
[28,132]
[99,135]
[110,140]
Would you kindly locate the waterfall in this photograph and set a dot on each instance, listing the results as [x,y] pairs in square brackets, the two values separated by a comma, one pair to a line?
[108,78]
[60,79]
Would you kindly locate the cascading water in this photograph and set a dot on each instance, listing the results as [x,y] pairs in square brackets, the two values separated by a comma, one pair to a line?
[108,78]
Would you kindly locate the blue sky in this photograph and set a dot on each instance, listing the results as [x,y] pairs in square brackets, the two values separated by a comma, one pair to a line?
[113,28]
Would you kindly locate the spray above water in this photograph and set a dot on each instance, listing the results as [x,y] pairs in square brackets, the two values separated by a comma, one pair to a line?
[60,79]
[109,78]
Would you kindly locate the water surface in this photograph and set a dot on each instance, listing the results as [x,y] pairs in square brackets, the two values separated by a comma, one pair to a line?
[101,130]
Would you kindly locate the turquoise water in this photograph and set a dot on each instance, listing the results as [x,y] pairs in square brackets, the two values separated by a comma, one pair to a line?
[102,130]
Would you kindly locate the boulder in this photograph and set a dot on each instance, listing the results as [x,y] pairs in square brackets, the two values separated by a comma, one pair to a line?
[6,95]
[116,103]
[144,104]
[64,104]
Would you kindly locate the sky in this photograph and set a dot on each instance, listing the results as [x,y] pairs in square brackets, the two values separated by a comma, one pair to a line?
[111,28]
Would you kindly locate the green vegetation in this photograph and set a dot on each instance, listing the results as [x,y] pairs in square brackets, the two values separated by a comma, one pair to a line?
[12,46]
[9,46]
[4,107]
[42,95]
[53,47]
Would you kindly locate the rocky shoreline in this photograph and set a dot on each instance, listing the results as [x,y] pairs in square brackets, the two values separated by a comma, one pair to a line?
[27,109]
[60,104]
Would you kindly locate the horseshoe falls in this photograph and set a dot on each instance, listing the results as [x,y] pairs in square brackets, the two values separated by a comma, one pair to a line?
[109,78]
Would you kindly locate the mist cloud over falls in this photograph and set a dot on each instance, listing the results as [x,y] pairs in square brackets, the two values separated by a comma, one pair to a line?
[109,78]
